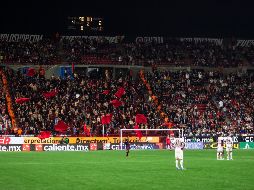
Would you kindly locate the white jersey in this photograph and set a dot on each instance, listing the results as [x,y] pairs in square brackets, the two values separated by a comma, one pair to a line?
[179,145]
[229,144]
[220,144]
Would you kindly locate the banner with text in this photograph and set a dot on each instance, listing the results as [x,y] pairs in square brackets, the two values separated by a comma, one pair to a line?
[214,145]
[246,145]
[66,147]
[235,139]
[194,145]
[82,140]
[20,37]
[110,39]
[217,41]
[154,39]
[133,146]
[11,148]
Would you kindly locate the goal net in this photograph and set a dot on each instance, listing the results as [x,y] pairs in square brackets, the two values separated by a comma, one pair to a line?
[149,135]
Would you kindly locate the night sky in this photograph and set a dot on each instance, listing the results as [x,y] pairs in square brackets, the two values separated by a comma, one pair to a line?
[176,18]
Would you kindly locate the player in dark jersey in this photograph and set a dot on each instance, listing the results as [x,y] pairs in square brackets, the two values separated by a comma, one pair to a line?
[127,146]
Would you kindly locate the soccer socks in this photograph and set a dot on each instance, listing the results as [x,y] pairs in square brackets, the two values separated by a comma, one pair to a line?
[181,163]
[127,153]
[221,156]
[177,165]
[229,156]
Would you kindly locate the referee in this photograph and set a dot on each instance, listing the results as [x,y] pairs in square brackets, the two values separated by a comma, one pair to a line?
[127,146]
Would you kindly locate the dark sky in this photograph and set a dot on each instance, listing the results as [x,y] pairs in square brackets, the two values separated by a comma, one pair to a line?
[207,18]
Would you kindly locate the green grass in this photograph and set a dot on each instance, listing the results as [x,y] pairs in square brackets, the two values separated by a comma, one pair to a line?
[111,170]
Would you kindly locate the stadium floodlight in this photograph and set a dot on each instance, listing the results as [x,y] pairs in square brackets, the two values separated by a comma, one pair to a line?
[180,132]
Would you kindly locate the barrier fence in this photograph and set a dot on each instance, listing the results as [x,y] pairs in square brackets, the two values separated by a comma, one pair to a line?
[110,143]
[72,140]
[112,146]
[84,140]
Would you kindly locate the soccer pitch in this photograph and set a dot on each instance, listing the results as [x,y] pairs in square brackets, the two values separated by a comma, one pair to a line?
[109,170]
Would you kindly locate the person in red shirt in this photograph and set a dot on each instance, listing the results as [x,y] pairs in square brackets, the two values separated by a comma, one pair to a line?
[168,143]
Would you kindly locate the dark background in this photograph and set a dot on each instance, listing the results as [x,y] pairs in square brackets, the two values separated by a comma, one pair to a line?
[174,18]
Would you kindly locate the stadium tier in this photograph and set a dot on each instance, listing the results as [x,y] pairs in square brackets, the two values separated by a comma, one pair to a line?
[202,103]
[120,50]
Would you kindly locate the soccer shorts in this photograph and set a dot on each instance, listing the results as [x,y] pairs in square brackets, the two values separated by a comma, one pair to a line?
[179,154]
[220,149]
[229,149]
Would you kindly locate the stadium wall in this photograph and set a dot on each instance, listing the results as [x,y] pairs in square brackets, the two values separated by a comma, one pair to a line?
[112,143]
[55,70]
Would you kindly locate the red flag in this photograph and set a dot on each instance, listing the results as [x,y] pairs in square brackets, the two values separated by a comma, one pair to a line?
[106,92]
[138,132]
[61,126]
[22,100]
[30,72]
[50,94]
[106,119]
[120,92]
[116,103]
[141,118]
[86,131]
[44,134]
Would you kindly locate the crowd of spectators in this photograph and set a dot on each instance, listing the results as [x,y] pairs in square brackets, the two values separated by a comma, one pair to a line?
[100,51]
[5,122]
[203,103]
[173,53]
[79,101]
[43,52]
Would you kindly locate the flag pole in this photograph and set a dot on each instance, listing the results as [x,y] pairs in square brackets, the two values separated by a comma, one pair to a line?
[103,128]
[121,139]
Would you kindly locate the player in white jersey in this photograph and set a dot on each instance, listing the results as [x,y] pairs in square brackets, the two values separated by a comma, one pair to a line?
[220,149]
[229,147]
[179,146]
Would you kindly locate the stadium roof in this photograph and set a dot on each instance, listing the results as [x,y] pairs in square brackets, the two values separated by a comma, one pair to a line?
[213,18]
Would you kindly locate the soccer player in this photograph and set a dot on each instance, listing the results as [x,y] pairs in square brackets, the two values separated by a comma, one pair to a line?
[168,143]
[127,146]
[179,145]
[229,147]
[220,149]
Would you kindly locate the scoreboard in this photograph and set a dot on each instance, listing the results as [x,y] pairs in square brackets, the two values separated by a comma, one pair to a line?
[85,23]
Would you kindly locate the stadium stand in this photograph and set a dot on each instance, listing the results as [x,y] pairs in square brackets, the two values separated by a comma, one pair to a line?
[77,102]
[201,102]
[174,52]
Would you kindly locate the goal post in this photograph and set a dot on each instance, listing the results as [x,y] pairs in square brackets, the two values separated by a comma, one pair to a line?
[180,133]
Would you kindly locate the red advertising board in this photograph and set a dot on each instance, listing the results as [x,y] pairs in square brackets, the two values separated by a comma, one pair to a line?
[93,146]
[5,140]
[26,147]
[38,147]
